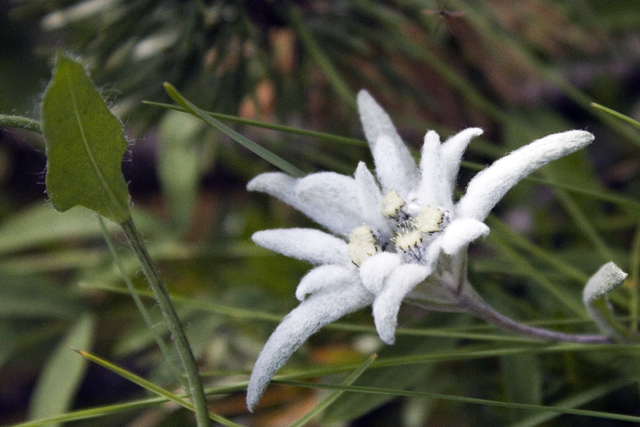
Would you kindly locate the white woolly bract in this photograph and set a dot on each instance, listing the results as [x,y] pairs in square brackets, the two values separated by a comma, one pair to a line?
[395,172]
[325,278]
[370,200]
[303,321]
[374,271]
[459,233]
[401,281]
[451,152]
[489,186]
[376,124]
[305,244]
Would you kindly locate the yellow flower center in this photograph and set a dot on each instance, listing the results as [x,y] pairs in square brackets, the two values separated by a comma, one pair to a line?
[362,244]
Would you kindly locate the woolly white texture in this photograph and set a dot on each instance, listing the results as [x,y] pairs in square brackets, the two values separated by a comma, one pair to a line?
[489,186]
[341,204]
[303,321]
[607,279]
[305,244]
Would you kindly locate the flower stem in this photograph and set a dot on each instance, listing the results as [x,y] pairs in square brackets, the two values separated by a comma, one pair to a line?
[141,307]
[477,306]
[195,390]
[20,122]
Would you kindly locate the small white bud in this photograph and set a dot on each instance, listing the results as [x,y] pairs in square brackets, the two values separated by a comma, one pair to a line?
[408,239]
[391,204]
[429,220]
[362,244]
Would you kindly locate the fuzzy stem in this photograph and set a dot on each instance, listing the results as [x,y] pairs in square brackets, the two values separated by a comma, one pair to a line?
[477,306]
[20,122]
[196,391]
[141,307]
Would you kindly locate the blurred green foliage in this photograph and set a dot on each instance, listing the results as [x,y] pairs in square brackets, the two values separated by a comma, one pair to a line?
[520,70]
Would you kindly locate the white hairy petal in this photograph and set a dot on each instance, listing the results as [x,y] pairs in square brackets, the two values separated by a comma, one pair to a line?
[376,123]
[330,199]
[285,188]
[325,278]
[433,190]
[387,304]
[375,270]
[278,185]
[451,153]
[395,171]
[306,319]
[370,200]
[460,232]
[489,186]
[305,244]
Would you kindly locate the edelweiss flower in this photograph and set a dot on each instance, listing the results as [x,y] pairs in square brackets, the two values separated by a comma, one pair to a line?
[388,235]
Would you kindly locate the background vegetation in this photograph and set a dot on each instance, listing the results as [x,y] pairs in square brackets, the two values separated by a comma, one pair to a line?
[520,70]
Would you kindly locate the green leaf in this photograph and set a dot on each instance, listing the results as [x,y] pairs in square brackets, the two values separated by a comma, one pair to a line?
[85,145]
[62,373]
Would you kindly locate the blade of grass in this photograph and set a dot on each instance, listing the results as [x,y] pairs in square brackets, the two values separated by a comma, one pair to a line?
[600,195]
[539,408]
[102,411]
[288,129]
[240,139]
[616,114]
[314,372]
[151,386]
[578,399]
[61,377]
[336,394]
[257,315]
[86,414]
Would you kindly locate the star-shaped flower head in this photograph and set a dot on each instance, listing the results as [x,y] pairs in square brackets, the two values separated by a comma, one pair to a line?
[387,234]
